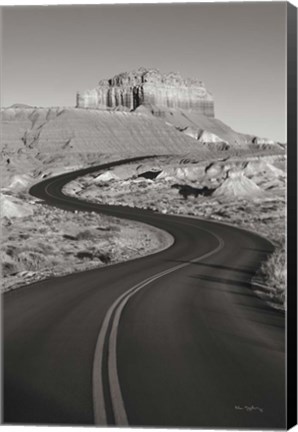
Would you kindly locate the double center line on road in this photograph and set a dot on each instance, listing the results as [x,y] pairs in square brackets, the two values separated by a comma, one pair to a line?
[95,396]
[109,339]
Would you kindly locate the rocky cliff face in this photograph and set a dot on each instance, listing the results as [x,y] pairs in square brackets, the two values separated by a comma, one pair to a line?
[148,87]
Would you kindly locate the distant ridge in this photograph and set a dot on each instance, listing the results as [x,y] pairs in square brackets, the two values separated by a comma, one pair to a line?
[20,105]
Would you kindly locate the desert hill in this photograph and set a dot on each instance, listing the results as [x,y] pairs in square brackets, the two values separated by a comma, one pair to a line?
[52,130]
[40,141]
[71,129]
[20,105]
[237,185]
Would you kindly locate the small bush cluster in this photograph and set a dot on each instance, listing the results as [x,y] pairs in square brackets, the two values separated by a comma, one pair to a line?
[274,273]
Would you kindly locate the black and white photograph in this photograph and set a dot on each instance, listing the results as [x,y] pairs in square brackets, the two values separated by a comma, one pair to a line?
[148,154]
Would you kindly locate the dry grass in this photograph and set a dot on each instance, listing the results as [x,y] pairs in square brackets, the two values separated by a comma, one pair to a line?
[55,242]
[273,272]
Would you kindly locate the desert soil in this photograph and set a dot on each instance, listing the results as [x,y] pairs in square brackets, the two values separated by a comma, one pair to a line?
[39,241]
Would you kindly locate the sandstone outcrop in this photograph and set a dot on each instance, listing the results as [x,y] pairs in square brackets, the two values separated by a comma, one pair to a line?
[148,87]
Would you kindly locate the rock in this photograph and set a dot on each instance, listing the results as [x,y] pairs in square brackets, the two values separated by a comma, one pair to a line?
[189,173]
[213,141]
[192,132]
[19,182]
[105,177]
[262,141]
[215,170]
[148,87]
[209,137]
[261,167]
[237,185]
[265,143]
[13,207]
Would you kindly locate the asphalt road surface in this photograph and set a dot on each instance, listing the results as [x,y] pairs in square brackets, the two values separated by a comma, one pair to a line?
[174,339]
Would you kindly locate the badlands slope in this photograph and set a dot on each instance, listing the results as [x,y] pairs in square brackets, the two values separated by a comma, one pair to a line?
[42,140]
[200,127]
[33,138]
[83,130]
[77,130]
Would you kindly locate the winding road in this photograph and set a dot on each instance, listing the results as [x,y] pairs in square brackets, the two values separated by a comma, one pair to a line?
[173,339]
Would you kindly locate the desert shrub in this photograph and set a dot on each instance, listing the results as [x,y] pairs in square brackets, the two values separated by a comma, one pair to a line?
[85,235]
[24,236]
[116,228]
[31,260]
[43,230]
[221,213]
[274,272]
[69,237]
[10,251]
[22,195]
[84,254]
[103,257]
[44,247]
[8,268]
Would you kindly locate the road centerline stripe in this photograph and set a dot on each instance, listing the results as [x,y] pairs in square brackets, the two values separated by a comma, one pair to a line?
[114,384]
[113,317]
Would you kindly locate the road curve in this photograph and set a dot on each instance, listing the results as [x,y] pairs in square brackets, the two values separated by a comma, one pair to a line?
[174,339]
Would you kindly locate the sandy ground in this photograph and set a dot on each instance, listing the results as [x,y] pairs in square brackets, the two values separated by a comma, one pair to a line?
[44,241]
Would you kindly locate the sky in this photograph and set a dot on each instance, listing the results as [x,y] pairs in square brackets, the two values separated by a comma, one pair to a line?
[237,49]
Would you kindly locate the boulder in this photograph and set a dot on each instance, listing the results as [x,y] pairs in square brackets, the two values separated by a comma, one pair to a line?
[11,207]
[105,177]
